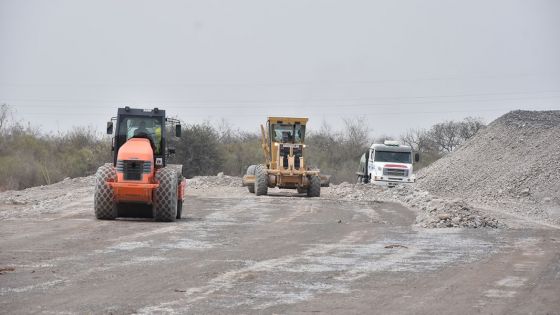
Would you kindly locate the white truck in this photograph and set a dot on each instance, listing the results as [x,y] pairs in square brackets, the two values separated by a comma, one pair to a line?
[387,164]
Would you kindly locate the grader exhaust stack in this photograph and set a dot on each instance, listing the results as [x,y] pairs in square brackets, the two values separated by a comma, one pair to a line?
[283,144]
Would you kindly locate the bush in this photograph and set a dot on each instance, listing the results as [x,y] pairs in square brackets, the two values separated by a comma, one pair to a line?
[198,150]
[337,153]
[29,158]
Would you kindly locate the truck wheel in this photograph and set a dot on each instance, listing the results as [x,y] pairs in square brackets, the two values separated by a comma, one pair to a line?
[314,189]
[251,171]
[179,209]
[165,195]
[301,190]
[261,180]
[104,202]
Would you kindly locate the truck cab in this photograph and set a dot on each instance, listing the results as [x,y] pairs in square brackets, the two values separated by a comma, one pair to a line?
[387,164]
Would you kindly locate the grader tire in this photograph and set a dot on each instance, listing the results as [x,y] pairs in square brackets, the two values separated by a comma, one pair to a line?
[301,190]
[251,171]
[165,195]
[261,180]
[104,204]
[314,189]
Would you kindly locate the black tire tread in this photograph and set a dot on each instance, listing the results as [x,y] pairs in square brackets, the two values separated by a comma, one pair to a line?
[314,189]
[179,209]
[165,195]
[251,171]
[261,180]
[104,200]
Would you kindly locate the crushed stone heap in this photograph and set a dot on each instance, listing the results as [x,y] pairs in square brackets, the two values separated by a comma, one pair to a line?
[221,180]
[513,164]
[433,212]
[46,199]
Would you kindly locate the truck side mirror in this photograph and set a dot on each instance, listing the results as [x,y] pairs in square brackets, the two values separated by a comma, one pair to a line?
[178,131]
[417,157]
[109,127]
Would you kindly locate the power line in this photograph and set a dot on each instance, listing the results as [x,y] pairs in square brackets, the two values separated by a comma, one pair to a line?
[286,83]
[296,100]
[237,105]
[401,113]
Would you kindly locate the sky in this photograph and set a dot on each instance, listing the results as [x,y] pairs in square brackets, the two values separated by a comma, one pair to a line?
[397,65]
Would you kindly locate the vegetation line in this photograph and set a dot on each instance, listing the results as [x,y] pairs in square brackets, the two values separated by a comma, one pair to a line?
[30,158]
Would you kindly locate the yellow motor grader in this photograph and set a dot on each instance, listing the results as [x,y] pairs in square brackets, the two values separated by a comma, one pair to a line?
[283,146]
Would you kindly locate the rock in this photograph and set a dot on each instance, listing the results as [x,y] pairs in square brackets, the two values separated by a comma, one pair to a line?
[444,216]
[16,202]
[395,246]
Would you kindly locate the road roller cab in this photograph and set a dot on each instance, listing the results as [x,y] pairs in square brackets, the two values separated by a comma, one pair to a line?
[139,173]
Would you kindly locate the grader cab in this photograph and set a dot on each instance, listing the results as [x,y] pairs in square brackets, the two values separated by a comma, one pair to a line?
[283,144]
[139,176]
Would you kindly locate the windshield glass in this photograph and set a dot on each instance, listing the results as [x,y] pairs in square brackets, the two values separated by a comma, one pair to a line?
[145,127]
[288,133]
[395,157]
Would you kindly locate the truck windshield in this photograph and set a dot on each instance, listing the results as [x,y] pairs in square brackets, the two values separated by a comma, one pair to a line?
[395,157]
[144,127]
[288,133]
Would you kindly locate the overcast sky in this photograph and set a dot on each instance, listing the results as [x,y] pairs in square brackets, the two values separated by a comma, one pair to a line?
[397,64]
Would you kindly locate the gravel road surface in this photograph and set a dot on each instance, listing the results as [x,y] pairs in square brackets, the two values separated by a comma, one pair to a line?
[237,253]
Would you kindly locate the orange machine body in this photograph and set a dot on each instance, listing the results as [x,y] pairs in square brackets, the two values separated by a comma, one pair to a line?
[136,156]
[181,190]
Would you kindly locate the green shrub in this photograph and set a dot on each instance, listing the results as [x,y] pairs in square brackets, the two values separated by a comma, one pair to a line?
[29,158]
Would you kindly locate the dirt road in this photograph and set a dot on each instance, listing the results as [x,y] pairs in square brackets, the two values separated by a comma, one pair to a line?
[245,254]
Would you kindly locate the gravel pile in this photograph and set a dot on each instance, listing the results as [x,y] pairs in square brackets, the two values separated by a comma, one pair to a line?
[513,165]
[45,199]
[205,182]
[434,212]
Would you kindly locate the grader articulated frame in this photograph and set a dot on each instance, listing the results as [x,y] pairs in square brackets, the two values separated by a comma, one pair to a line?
[283,145]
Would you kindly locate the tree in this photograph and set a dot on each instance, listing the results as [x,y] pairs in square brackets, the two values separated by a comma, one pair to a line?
[448,135]
[470,126]
[419,140]
[4,116]
[198,150]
